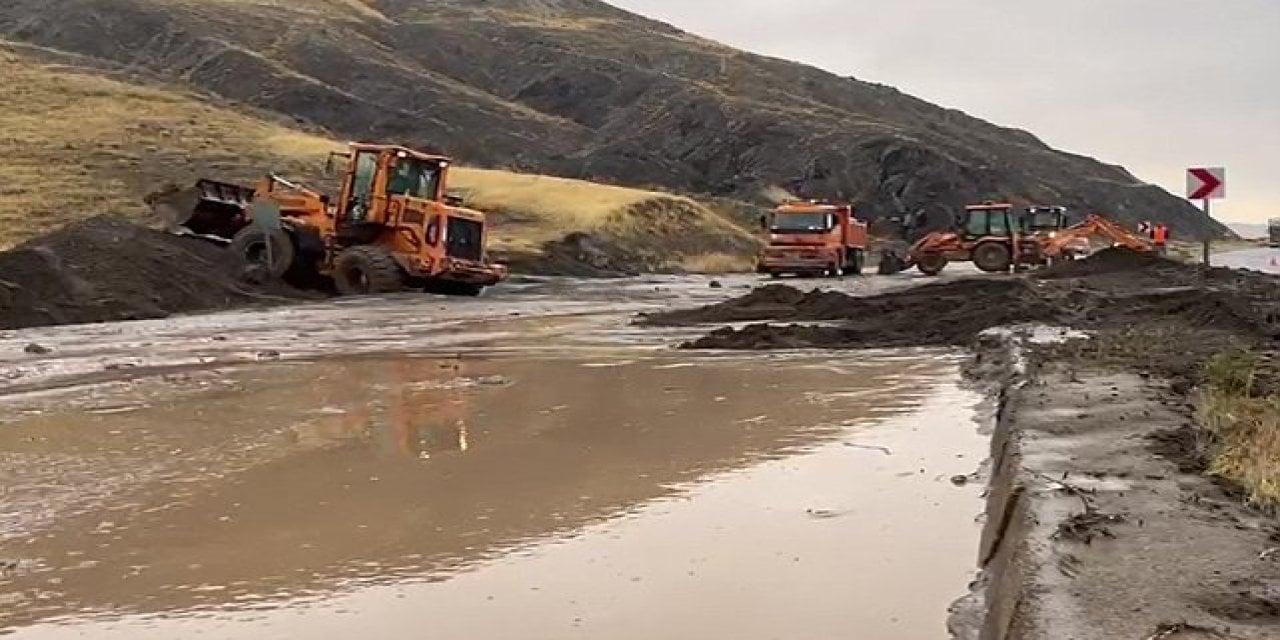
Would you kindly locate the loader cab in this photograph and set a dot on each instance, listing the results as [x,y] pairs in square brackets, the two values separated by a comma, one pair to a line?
[987,220]
[379,178]
[1043,221]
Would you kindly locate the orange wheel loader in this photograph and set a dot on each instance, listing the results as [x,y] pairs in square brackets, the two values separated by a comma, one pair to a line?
[390,228]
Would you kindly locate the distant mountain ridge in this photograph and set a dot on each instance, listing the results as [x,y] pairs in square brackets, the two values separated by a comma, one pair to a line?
[583,89]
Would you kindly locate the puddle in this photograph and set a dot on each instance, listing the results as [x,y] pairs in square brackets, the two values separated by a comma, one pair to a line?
[796,496]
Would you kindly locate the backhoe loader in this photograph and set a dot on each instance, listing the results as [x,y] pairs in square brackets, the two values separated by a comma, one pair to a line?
[390,228]
[997,237]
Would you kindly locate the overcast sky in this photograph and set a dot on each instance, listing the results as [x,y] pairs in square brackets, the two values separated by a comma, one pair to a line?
[1154,85]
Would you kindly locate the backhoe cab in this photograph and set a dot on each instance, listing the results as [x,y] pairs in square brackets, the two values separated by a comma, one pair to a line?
[391,226]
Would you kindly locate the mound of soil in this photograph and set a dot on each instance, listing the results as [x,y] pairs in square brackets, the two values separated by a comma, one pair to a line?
[945,313]
[104,269]
[1147,306]
[580,255]
[1116,259]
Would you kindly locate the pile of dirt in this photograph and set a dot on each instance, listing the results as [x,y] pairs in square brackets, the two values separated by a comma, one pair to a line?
[1113,260]
[580,255]
[949,313]
[1153,306]
[105,269]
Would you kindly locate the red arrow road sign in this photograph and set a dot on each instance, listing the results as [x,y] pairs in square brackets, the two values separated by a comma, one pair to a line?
[1206,183]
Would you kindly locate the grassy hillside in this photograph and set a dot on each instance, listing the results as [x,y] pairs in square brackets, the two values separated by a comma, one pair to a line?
[76,143]
[581,89]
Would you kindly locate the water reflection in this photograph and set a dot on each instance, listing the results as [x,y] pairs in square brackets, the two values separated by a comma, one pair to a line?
[293,481]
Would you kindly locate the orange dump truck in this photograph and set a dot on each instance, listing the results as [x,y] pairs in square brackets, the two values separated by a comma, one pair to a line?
[813,238]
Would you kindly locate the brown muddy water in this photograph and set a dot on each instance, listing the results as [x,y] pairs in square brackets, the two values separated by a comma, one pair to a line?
[535,490]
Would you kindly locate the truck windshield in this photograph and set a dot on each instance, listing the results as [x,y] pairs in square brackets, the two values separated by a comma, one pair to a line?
[415,178]
[800,223]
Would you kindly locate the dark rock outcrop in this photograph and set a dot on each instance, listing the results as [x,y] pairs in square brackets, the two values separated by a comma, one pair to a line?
[582,89]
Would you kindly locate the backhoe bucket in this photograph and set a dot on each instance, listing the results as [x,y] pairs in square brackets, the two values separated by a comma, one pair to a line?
[210,208]
[892,260]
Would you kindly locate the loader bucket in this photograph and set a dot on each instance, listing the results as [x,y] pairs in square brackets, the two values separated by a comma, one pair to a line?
[209,208]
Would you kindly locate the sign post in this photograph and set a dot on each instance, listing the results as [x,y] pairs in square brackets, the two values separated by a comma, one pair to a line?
[1207,184]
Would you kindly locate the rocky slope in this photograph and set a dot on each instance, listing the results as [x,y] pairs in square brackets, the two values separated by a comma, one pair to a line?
[580,88]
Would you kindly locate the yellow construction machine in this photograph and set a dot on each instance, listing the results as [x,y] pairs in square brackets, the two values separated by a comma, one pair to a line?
[391,227]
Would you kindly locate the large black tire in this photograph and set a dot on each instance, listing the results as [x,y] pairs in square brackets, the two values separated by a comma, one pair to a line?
[249,246]
[992,257]
[931,264]
[366,270]
[855,262]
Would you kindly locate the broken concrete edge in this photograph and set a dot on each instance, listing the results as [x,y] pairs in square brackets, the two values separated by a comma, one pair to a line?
[1175,553]
[1000,366]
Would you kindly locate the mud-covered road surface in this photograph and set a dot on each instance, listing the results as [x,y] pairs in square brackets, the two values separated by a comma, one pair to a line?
[527,465]
[1266,260]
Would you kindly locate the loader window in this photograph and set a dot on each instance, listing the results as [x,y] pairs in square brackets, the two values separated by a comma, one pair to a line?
[800,223]
[414,178]
[366,167]
[987,223]
[1046,221]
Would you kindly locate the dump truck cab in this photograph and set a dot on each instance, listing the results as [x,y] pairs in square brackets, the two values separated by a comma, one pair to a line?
[813,238]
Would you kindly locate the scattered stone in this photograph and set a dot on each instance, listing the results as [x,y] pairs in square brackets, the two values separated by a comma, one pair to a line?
[37,349]
[716,284]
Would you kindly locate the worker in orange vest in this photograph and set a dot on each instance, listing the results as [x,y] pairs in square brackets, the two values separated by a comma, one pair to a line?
[1160,236]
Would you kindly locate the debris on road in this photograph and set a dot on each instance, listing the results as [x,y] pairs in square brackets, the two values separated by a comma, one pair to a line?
[37,349]
[105,269]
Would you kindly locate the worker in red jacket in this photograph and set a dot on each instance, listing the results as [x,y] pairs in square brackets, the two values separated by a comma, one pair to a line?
[1160,237]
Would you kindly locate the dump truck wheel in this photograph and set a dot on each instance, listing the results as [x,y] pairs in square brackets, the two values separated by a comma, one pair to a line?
[931,264]
[250,246]
[992,257]
[857,260]
[366,270]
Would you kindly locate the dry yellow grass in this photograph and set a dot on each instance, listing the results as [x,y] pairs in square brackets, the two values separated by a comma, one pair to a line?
[1245,428]
[74,144]
[532,209]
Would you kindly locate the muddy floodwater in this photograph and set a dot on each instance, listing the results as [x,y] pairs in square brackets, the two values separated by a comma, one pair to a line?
[564,478]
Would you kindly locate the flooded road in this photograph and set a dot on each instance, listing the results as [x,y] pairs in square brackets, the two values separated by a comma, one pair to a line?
[564,476]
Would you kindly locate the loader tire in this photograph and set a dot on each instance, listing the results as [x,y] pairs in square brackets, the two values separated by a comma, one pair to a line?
[992,257]
[250,247]
[366,270]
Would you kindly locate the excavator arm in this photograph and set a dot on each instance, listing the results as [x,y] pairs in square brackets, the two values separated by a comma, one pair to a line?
[1096,226]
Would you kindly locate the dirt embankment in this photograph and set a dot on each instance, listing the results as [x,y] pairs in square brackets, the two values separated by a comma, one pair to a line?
[1161,315]
[1098,525]
[105,269]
